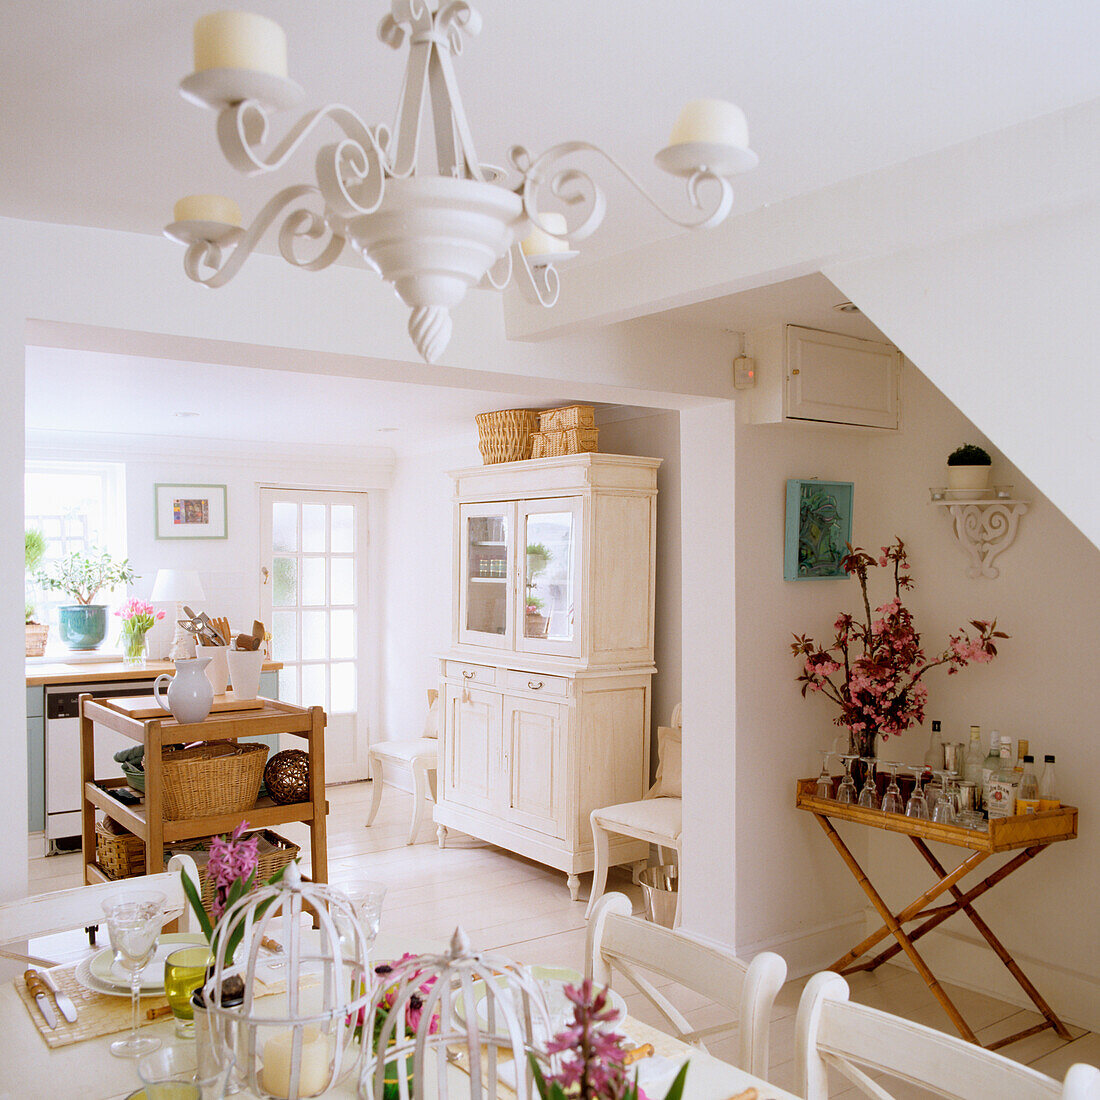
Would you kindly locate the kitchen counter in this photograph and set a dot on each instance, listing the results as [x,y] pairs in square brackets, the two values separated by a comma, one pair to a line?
[94,672]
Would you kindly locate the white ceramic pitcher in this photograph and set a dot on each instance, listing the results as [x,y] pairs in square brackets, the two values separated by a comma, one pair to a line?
[190,693]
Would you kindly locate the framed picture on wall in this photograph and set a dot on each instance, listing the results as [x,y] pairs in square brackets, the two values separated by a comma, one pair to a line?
[818,530]
[191,511]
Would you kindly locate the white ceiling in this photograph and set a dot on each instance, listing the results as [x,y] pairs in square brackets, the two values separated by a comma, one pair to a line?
[95,132]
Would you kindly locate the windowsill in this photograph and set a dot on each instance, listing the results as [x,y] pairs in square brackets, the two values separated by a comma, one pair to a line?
[77,657]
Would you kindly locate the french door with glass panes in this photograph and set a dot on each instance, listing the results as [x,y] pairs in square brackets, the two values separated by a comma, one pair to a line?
[314,595]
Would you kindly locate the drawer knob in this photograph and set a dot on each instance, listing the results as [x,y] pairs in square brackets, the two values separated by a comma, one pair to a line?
[534,685]
[467,674]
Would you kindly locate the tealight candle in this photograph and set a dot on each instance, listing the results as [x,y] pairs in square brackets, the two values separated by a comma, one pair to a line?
[207,208]
[239,40]
[713,121]
[539,243]
[315,1068]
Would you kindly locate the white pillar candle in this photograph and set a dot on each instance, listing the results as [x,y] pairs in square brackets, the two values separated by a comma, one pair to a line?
[540,243]
[239,40]
[207,208]
[313,1075]
[713,121]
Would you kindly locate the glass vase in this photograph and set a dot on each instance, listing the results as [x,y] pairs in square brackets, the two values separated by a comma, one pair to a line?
[133,648]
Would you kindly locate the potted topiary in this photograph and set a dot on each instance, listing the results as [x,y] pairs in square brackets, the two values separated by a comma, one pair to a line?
[83,625]
[34,550]
[968,469]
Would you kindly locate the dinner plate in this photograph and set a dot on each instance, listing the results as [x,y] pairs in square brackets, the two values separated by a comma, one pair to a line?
[102,967]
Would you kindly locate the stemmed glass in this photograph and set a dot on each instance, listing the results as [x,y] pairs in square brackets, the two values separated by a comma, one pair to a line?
[133,921]
[944,809]
[366,898]
[891,802]
[867,793]
[824,787]
[917,806]
[846,792]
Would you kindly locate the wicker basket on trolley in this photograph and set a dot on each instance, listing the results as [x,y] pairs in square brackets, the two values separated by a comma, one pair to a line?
[216,777]
[505,435]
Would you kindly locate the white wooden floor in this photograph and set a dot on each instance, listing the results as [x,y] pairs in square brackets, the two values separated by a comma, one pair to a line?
[522,909]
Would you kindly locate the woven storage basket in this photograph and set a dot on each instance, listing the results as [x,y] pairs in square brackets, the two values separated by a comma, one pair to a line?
[36,639]
[275,853]
[573,441]
[216,777]
[505,436]
[569,416]
[119,856]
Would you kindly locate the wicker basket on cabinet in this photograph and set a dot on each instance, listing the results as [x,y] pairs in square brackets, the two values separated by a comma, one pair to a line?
[571,441]
[505,435]
[568,416]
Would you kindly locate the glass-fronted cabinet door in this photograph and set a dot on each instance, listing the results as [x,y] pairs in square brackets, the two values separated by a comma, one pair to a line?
[550,576]
[486,561]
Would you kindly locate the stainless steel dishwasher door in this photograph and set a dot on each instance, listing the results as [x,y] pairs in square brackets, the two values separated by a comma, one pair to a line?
[63,750]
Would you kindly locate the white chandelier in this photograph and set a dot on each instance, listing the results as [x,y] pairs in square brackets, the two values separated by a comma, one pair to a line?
[431,235]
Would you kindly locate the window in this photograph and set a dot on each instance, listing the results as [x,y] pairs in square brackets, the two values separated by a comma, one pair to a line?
[78,506]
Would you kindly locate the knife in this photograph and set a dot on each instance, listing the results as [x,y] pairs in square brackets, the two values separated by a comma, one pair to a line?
[41,996]
[64,1001]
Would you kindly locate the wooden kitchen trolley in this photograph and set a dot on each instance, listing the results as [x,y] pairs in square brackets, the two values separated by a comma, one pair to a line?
[1027,835]
[146,820]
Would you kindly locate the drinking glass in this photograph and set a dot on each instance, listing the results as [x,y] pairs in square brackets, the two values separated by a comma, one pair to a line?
[846,792]
[917,806]
[366,898]
[171,1073]
[133,922]
[184,971]
[867,794]
[944,810]
[824,787]
[891,802]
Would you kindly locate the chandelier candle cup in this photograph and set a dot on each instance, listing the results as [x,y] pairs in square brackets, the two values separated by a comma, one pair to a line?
[207,208]
[547,241]
[240,40]
[713,121]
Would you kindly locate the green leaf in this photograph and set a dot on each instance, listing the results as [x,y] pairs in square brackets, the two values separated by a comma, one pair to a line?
[676,1089]
[536,1072]
[195,900]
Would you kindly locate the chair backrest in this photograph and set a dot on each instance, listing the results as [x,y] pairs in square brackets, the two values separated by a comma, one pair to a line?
[832,1032]
[80,907]
[618,941]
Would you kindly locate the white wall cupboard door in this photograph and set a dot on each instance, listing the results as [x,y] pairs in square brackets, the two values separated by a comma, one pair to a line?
[486,570]
[314,545]
[472,747]
[550,539]
[533,760]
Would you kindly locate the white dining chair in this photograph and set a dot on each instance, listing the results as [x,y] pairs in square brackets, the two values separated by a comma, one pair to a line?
[619,941]
[657,818]
[82,907]
[833,1032]
[419,756]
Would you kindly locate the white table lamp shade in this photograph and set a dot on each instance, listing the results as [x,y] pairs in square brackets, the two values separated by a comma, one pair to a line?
[177,585]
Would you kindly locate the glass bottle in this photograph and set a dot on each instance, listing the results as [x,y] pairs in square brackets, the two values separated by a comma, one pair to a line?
[1046,780]
[990,766]
[1003,785]
[1023,747]
[934,756]
[972,762]
[1029,785]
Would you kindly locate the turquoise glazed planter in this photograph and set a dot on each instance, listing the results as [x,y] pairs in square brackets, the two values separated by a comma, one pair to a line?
[83,627]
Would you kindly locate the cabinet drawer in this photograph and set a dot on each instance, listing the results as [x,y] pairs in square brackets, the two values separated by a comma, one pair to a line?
[474,674]
[557,686]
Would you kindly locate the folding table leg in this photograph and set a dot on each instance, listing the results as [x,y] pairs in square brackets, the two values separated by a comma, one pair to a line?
[892,924]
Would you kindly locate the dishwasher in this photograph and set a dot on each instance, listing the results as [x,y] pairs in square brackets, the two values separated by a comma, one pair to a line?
[63,793]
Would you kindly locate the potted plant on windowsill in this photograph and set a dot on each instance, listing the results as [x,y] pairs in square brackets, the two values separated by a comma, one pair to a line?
[34,549]
[968,469]
[83,624]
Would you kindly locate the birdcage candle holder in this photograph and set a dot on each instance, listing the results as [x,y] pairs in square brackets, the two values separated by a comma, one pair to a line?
[301,1041]
[426,1016]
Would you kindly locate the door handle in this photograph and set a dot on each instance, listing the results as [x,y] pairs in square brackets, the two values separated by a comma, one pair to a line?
[467,675]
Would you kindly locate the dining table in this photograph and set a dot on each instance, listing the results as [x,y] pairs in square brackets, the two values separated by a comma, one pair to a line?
[87,1070]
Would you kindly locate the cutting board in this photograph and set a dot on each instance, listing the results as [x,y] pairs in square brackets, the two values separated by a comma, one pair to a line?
[146,706]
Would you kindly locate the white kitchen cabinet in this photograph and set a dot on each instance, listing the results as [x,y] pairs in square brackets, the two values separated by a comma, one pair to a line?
[546,688]
[806,375]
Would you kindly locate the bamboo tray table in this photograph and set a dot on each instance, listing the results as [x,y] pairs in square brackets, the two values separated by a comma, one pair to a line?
[1028,835]
[146,820]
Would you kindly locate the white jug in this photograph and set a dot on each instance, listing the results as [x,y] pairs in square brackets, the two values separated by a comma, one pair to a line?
[190,693]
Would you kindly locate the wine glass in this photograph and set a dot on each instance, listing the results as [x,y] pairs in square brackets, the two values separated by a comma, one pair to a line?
[868,797]
[366,898]
[846,792]
[917,806]
[133,921]
[891,802]
[824,787]
[944,810]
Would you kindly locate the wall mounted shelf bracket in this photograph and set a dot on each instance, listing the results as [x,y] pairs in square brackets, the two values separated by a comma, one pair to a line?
[985,529]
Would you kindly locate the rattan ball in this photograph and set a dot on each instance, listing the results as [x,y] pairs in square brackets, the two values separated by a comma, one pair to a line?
[286,776]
